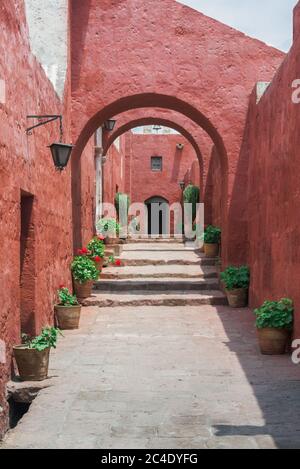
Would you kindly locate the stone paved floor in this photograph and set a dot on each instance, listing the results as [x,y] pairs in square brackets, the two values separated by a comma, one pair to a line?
[164,378]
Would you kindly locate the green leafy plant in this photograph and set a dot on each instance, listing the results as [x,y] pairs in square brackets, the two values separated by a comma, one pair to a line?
[84,269]
[96,247]
[212,235]
[47,339]
[108,227]
[122,200]
[236,277]
[275,314]
[66,298]
[191,195]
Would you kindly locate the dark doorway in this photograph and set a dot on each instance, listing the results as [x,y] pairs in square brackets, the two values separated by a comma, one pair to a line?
[158,216]
[27,265]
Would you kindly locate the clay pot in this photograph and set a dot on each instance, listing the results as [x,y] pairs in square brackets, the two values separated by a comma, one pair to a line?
[83,290]
[237,298]
[68,317]
[273,341]
[211,250]
[32,364]
[110,241]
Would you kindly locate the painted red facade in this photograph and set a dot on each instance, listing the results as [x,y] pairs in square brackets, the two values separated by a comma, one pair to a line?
[202,74]
[272,152]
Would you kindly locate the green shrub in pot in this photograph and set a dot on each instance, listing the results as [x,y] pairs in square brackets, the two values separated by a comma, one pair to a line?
[274,323]
[236,281]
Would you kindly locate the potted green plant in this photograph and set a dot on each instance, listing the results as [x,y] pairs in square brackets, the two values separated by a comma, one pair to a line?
[68,310]
[274,322]
[236,281]
[96,250]
[84,273]
[32,357]
[110,229]
[212,238]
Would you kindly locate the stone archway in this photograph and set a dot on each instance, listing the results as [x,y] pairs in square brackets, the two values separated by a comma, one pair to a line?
[164,122]
[149,100]
[211,89]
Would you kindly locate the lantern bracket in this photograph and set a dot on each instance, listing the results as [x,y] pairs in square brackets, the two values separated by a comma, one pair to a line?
[46,119]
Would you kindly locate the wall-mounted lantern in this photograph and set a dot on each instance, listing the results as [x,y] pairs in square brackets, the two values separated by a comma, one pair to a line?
[182,185]
[180,146]
[61,152]
[109,125]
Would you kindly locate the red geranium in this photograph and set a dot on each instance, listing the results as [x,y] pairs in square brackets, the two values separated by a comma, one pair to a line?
[82,252]
[61,287]
[97,259]
[101,237]
[118,262]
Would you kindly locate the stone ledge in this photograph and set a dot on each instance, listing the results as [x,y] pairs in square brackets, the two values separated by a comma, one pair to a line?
[26,391]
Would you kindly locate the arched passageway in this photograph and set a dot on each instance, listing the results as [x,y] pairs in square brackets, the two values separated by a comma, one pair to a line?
[166,123]
[148,100]
[211,89]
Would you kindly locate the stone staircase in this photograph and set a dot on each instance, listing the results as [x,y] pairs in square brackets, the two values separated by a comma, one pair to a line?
[159,273]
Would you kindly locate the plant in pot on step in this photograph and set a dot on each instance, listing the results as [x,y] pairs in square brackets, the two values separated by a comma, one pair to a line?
[236,281]
[274,322]
[67,311]
[84,273]
[96,250]
[32,357]
[212,238]
[110,229]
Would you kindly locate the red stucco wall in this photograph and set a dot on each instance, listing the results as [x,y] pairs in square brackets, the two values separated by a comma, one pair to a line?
[211,88]
[176,163]
[26,165]
[273,188]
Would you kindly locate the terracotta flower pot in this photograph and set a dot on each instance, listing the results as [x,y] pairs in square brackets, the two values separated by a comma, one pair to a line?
[273,341]
[211,250]
[32,364]
[68,317]
[237,298]
[83,290]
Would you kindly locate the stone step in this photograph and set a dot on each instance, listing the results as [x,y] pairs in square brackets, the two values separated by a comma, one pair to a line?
[177,271]
[155,240]
[161,257]
[152,298]
[156,247]
[148,261]
[152,284]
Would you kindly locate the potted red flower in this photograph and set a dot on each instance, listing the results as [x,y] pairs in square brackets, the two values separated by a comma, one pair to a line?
[96,251]
[68,310]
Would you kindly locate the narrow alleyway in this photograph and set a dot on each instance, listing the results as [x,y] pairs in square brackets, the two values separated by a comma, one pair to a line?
[162,363]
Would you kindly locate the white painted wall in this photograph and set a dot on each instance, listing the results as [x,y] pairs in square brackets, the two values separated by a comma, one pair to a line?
[48,32]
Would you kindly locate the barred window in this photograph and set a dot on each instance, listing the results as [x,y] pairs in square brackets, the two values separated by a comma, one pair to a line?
[156,163]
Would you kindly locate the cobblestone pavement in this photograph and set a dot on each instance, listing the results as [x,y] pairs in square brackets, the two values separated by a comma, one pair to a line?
[164,378]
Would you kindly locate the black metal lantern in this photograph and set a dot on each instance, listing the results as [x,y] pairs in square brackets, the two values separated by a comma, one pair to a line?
[109,125]
[182,185]
[61,153]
